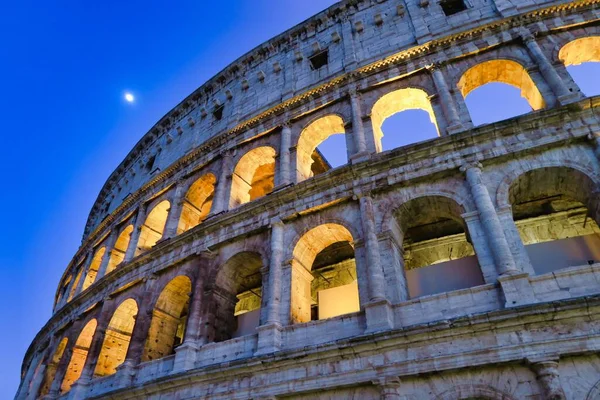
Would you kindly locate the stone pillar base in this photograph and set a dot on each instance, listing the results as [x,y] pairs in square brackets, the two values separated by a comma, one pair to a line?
[78,390]
[379,315]
[454,129]
[185,356]
[360,157]
[125,374]
[517,289]
[570,98]
[269,339]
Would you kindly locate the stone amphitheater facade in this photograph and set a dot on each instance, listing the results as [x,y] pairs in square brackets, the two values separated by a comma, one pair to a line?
[224,259]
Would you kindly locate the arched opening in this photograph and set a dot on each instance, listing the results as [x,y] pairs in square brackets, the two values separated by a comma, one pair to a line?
[117,338]
[237,296]
[78,356]
[310,160]
[406,116]
[556,214]
[438,257]
[582,59]
[253,177]
[505,72]
[64,288]
[51,366]
[93,269]
[154,226]
[75,283]
[324,281]
[197,203]
[117,255]
[169,318]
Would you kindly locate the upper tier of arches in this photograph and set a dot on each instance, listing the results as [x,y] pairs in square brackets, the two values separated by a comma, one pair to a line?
[289,155]
[278,78]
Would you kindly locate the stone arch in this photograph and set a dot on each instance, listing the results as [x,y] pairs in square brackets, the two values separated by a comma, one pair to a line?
[398,101]
[117,338]
[594,393]
[92,273]
[253,176]
[197,202]
[502,71]
[474,391]
[117,254]
[309,160]
[437,255]
[583,50]
[78,277]
[237,294]
[578,51]
[51,366]
[327,252]
[390,206]
[169,319]
[502,193]
[154,227]
[550,207]
[79,355]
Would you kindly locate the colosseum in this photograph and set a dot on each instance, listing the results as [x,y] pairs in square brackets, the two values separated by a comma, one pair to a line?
[226,259]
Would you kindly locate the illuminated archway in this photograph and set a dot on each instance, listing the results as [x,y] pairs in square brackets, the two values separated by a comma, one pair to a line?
[436,252]
[324,282]
[117,254]
[51,366]
[238,302]
[94,267]
[396,102]
[117,338]
[506,72]
[79,355]
[197,203]
[169,319]
[154,226]
[552,208]
[310,162]
[582,59]
[253,176]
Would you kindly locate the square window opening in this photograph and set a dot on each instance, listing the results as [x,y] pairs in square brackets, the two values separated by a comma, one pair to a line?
[319,60]
[218,113]
[452,7]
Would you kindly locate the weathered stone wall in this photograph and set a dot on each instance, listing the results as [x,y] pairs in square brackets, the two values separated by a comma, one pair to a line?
[218,210]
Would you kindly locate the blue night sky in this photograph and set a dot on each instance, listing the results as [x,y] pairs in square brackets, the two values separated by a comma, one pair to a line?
[65,125]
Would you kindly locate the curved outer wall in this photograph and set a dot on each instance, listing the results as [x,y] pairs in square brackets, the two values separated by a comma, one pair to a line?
[200,274]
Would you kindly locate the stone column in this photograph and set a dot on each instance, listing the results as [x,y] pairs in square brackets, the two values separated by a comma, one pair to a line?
[480,245]
[135,234]
[137,343]
[221,200]
[65,297]
[110,244]
[560,90]
[85,268]
[79,388]
[489,219]
[30,384]
[175,211]
[376,280]
[358,130]
[515,284]
[447,101]
[378,311]
[269,334]
[548,378]
[194,338]
[284,156]
[389,387]
[63,364]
